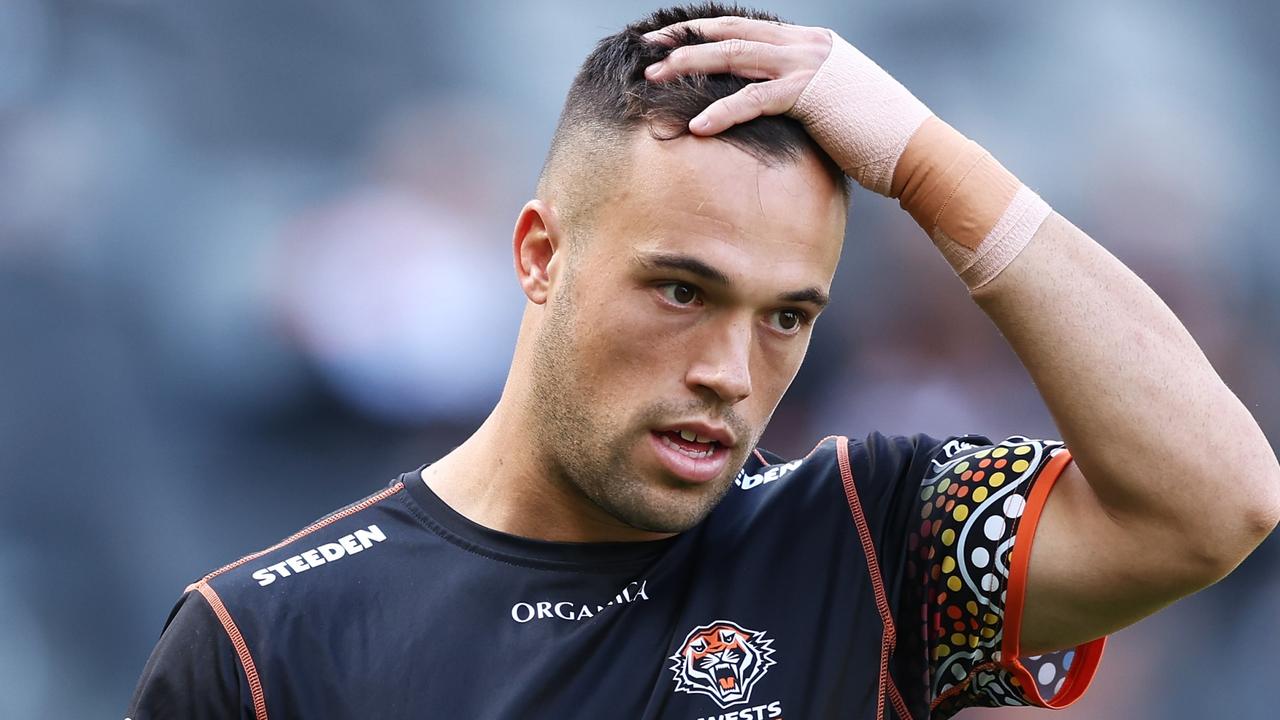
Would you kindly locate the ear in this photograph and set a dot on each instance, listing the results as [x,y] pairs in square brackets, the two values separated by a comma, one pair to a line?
[538,247]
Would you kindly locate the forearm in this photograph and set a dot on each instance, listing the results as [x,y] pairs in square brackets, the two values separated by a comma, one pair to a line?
[1162,441]
[1157,434]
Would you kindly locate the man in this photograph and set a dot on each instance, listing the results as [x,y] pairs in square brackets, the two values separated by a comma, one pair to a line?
[611,543]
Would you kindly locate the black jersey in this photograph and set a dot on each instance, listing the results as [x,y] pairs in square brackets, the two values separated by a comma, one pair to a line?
[869,579]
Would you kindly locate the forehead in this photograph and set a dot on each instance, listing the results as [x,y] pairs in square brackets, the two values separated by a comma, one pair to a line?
[708,198]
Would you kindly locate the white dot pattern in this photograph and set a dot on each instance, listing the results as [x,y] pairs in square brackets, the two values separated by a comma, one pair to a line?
[994,527]
[980,557]
[971,506]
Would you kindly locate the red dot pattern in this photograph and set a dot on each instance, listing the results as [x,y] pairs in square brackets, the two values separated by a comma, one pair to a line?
[969,513]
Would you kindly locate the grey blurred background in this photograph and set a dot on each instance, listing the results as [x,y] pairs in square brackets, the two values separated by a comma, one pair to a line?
[254,262]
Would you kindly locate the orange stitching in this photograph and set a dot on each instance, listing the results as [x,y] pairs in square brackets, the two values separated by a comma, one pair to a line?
[242,649]
[806,456]
[884,675]
[899,705]
[864,534]
[959,688]
[367,502]
[821,442]
[890,638]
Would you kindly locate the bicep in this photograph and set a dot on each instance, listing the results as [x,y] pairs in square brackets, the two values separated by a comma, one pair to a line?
[1092,572]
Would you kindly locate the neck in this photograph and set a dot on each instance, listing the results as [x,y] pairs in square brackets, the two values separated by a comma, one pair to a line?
[500,479]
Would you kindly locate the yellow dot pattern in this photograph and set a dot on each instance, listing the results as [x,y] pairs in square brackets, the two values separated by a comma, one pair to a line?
[966,522]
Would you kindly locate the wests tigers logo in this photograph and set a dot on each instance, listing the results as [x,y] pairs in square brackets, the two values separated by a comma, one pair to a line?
[723,660]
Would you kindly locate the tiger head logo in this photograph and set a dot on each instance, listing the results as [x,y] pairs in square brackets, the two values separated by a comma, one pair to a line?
[723,660]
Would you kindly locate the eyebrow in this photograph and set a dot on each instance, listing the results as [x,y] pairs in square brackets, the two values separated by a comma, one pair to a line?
[696,267]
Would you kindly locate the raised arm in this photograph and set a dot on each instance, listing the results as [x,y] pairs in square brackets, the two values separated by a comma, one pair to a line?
[1173,484]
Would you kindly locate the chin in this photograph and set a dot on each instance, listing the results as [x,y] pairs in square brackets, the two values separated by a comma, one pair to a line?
[671,509]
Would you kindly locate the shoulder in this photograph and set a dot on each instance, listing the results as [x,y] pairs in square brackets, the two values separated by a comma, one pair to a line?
[764,467]
[874,459]
[343,546]
[877,476]
[208,661]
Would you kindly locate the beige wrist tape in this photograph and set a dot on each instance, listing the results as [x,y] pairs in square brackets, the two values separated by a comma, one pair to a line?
[978,214]
[859,114]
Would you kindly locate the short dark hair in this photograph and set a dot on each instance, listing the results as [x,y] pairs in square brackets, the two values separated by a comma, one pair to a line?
[610,98]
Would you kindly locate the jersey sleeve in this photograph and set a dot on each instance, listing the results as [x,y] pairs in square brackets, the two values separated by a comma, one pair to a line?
[194,670]
[979,504]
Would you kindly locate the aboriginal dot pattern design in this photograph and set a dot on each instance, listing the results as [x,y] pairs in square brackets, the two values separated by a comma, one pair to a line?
[970,507]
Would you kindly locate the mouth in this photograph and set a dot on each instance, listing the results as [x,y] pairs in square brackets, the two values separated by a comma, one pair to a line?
[691,457]
[726,678]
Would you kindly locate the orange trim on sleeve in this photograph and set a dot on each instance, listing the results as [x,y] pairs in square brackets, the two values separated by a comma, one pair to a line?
[1089,655]
[242,649]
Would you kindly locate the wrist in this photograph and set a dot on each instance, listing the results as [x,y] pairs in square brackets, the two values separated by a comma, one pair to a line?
[859,114]
[978,213]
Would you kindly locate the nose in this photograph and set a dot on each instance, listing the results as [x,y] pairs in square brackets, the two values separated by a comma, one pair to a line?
[722,363]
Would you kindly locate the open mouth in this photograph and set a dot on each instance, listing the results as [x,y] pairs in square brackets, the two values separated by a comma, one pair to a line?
[726,678]
[689,456]
[689,443]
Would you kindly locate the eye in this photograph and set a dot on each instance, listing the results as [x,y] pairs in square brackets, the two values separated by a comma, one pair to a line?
[681,294]
[788,322]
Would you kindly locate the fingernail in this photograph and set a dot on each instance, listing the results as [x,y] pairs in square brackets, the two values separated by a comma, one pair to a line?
[653,69]
[700,123]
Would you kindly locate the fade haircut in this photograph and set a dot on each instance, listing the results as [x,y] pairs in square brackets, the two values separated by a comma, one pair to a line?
[610,99]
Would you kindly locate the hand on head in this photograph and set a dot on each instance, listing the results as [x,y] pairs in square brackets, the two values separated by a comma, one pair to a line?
[978,214]
[857,112]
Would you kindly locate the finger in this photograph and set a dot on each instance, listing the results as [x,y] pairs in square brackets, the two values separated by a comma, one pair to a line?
[763,98]
[744,58]
[723,28]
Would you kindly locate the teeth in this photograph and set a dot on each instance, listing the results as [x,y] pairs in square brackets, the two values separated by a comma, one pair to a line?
[691,436]
[690,453]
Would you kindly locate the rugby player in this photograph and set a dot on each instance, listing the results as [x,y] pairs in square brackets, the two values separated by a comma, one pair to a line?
[611,542]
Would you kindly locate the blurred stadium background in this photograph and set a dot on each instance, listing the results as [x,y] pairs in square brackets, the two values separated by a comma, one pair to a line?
[253,262]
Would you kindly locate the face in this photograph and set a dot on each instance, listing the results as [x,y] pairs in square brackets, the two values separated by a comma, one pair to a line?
[678,322]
